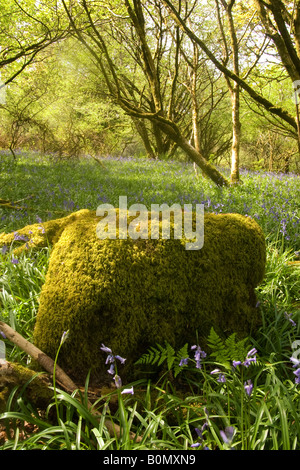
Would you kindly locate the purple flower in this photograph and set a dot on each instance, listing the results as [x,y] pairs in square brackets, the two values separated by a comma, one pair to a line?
[297,374]
[111,359]
[236,363]
[184,361]
[111,370]
[128,390]
[295,361]
[250,359]
[248,386]
[200,435]
[14,260]
[199,354]
[105,349]
[64,337]
[221,378]
[2,334]
[20,237]
[288,317]
[121,359]
[227,434]
[4,249]
[118,381]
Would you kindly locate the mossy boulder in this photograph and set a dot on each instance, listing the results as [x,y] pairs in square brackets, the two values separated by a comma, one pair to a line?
[39,235]
[31,385]
[131,294]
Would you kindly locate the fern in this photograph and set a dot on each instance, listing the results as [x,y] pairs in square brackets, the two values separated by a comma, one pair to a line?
[160,355]
[225,351]
[182,353]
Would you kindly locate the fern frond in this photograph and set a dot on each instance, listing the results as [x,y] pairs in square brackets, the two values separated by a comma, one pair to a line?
[182,353]
[158,355]
[218,348]
[152,356]
[228,350]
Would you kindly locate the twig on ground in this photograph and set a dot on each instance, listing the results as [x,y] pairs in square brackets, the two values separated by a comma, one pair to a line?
[48,364]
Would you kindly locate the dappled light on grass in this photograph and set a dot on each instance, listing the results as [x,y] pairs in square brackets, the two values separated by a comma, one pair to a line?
[205,401]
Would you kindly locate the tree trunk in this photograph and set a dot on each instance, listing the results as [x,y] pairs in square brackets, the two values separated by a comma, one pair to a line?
[173,132]
[235,93]
[143,133]
[261,100]
[236,137]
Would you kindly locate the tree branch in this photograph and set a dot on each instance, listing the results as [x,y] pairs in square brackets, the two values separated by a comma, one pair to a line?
[268,105]
[48,364]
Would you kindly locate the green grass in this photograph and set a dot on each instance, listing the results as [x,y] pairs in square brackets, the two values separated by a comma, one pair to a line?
[165,412]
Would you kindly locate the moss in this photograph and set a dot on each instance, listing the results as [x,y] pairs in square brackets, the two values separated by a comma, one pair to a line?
[39,235]
[31,385]
[130,294]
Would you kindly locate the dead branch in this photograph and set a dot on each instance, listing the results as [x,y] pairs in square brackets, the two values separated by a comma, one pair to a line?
[48,364]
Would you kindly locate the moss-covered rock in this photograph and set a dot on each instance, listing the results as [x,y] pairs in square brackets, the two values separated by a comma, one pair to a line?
[30,384]
[39,235]
[130,294]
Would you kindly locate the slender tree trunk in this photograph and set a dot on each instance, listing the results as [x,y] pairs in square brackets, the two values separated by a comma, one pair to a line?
[261,100]
[143,133]
[236,135]
[171,130]
[234,91]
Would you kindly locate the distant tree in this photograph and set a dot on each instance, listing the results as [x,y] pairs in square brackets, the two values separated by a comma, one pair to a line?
[243,82]
[150,98]
[26,29]
[281,21]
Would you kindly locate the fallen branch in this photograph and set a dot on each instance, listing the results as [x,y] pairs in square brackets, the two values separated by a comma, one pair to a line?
[6,204]
[48,364]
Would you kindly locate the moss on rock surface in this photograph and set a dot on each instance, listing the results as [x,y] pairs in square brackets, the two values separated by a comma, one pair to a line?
[39,235]
[130,294]
[29,383]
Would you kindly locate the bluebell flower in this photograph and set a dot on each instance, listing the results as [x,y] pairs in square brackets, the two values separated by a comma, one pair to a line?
[111,370]
[128,390]
[227,435]
[296,364]
[248,386]
[249,357]
[64,337]
[200,435]
[236,363]
[295,361]
[221,378]
[297,374]
[111,359]
[121,359]
[184,361]
[105,349]
[118,381]
[19,237]
[4,249]
[288,317]
[199,354]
